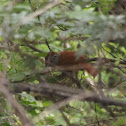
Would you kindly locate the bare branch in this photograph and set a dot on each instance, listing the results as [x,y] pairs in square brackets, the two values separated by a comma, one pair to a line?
[16,48]
[39,12]
[66,92]
[88,96]
[19,110]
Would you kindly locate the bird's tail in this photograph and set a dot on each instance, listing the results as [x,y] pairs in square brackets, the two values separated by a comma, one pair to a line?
[90,69]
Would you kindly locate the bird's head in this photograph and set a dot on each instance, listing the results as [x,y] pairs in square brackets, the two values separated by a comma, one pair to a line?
[52,59]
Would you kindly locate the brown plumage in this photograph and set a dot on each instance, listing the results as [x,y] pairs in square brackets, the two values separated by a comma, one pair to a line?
[68,58]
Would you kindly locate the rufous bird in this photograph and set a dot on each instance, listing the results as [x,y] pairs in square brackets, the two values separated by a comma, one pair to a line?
[69,58]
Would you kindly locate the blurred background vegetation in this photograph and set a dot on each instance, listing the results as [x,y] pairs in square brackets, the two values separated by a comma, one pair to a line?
[96,28]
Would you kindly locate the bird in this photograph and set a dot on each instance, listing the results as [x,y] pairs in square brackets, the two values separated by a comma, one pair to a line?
[69,58]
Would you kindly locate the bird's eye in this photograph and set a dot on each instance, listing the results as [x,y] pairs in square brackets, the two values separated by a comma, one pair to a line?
[53,59]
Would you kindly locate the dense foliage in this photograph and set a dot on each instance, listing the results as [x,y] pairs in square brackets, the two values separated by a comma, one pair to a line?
[28,29]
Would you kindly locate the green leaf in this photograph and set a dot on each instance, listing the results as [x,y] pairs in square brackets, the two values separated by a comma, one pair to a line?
[119,122]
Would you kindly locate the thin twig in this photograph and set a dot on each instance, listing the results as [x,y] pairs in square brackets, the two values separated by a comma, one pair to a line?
[32,47]
[48,46]
[34,9]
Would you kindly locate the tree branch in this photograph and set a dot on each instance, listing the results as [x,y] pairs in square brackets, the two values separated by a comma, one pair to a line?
[39,12]
[19,110]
